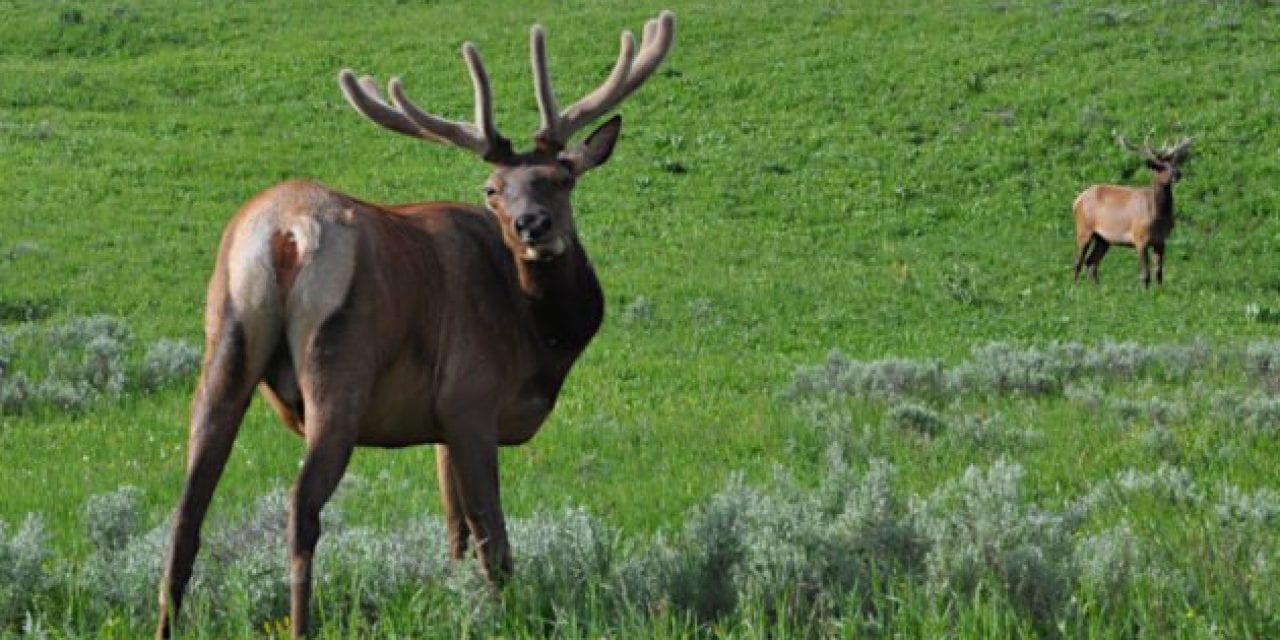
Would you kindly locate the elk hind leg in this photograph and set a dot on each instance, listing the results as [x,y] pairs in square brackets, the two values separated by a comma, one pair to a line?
[222,396]
[1082,248]
[334,383]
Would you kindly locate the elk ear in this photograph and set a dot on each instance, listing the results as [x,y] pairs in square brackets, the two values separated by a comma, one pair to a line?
[596,149]
[1154,166]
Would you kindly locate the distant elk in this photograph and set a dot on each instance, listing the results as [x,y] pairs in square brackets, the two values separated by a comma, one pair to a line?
[1137,217]
[392,326]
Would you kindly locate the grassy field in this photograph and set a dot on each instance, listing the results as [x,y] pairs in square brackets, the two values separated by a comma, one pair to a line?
[844,388]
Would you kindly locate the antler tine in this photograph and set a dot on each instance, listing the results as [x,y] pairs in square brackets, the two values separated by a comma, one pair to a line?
[483,96]
[405,117]
[1179,151]
[363,95]
[628,73]
[1144,151]
[548,112]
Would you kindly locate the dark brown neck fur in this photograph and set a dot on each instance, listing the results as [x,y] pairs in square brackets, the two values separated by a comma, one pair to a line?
[565,299]
[1163,191]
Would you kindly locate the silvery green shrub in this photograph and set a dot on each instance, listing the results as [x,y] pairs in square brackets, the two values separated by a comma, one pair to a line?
[981,531]
[102,366]
[23,577]
[113,519]
[991,431]
[1110,562]
[562,559]
[16,392]
[169,361]
[1263,358]
[1000,367]
[125,579]
[77,332]
[916,418]
[840,376]
[63,395]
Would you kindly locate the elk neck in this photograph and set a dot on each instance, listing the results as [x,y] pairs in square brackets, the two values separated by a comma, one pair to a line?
[1162,192]
[564,298]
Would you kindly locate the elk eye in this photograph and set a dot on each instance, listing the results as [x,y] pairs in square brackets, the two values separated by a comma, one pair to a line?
[490,191]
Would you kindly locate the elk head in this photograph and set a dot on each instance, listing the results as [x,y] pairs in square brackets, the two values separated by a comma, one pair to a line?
[1165,163]
[529,193]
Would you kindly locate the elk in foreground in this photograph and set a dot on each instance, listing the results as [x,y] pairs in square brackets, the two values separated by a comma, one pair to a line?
[1138,217]
[392,326]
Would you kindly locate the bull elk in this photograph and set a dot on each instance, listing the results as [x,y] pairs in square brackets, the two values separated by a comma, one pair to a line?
[390,326]
[1138,217]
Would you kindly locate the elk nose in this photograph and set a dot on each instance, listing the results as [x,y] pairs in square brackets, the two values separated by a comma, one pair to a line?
[532,226]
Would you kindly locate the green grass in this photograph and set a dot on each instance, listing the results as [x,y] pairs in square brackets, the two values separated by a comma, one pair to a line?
[882,178]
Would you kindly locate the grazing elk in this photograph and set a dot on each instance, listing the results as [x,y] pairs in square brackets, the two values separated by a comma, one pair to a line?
[392,326]
[1137,217]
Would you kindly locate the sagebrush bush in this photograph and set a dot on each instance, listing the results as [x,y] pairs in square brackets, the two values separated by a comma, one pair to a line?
[113,519]
[840,376]
[981,531]
[562,558]
[1110,563]
[992,432]
[23,576]
[916,418]
[169,361]
[68,366]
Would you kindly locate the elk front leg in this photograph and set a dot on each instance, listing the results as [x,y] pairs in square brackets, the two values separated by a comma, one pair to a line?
[473,453]
[1144,260]
[222,395]
[451,499]
[1159,250]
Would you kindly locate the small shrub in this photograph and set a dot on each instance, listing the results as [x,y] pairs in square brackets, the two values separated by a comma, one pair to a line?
[22,568]
[916,418]
[1109,563]
[638,311]
[991,432]
[16,393]
[102,367]
[77,332]
[113,519]
[840,376]
[1001,368]
[167,362]
[980,531]
[1259,510]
